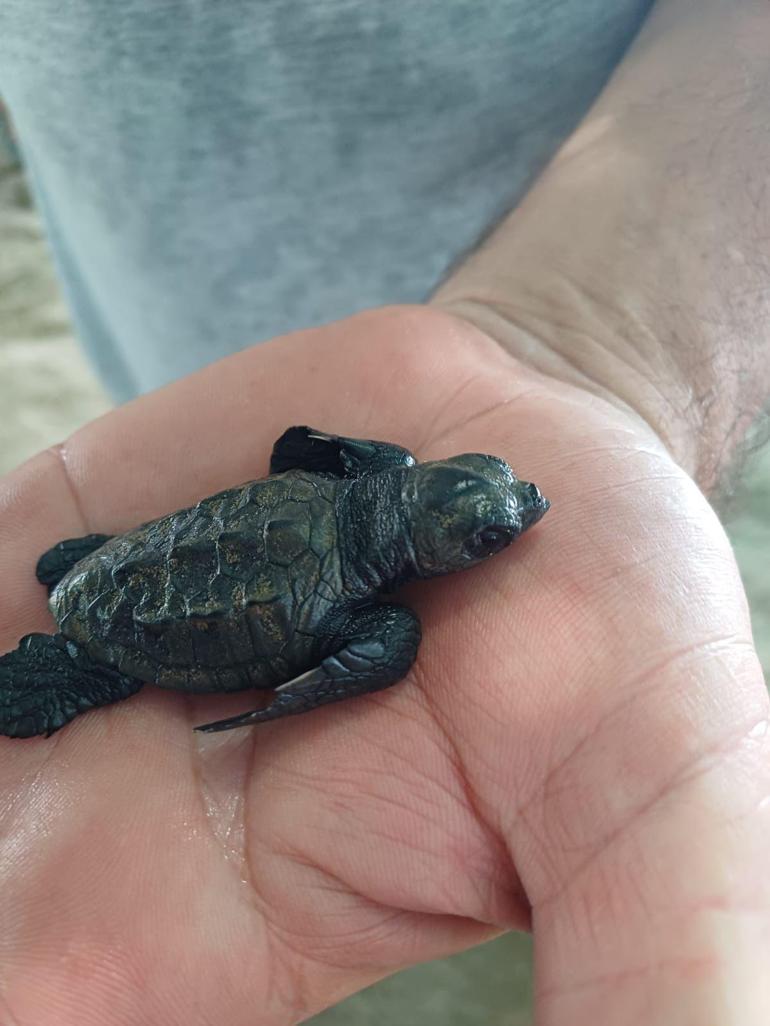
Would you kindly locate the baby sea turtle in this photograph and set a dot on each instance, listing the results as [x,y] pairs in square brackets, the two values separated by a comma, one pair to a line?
[273,584]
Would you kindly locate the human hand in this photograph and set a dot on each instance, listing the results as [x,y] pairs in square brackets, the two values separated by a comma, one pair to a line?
[582,743]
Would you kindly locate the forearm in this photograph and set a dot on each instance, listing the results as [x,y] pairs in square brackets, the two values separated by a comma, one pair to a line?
[638,265]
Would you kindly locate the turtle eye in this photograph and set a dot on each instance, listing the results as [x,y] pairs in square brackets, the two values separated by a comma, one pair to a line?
[489,541]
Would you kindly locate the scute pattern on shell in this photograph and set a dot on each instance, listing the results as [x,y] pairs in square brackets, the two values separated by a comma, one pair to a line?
[228,593]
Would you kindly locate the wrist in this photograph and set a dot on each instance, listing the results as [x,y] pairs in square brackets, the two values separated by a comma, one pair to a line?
[580,347]
[636,267]
[593,282]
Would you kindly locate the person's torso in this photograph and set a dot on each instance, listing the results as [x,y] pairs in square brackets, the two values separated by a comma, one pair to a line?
[215,172]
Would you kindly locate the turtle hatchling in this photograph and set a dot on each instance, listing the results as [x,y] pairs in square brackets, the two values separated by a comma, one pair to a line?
[277,584]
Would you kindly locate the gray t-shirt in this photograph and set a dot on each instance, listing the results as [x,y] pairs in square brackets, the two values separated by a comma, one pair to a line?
[216,172]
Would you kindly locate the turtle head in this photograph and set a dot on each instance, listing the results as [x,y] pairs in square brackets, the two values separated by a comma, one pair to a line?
[467,508]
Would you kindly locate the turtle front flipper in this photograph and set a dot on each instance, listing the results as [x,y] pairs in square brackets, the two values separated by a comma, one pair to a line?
[304,448]
[377,650]
[60,559]
[48,680]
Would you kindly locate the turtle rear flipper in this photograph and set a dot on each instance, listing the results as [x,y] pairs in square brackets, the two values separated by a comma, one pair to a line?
[48,680]
[60,559]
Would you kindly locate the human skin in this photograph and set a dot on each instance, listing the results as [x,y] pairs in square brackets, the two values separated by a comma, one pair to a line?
[583,744]
[637,266]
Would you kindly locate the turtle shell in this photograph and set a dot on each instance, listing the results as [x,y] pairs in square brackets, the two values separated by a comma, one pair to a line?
[227,594]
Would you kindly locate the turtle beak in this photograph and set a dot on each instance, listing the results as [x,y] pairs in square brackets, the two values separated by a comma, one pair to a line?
[534,506]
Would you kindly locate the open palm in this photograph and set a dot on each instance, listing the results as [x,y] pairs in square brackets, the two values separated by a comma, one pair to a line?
[580,743]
